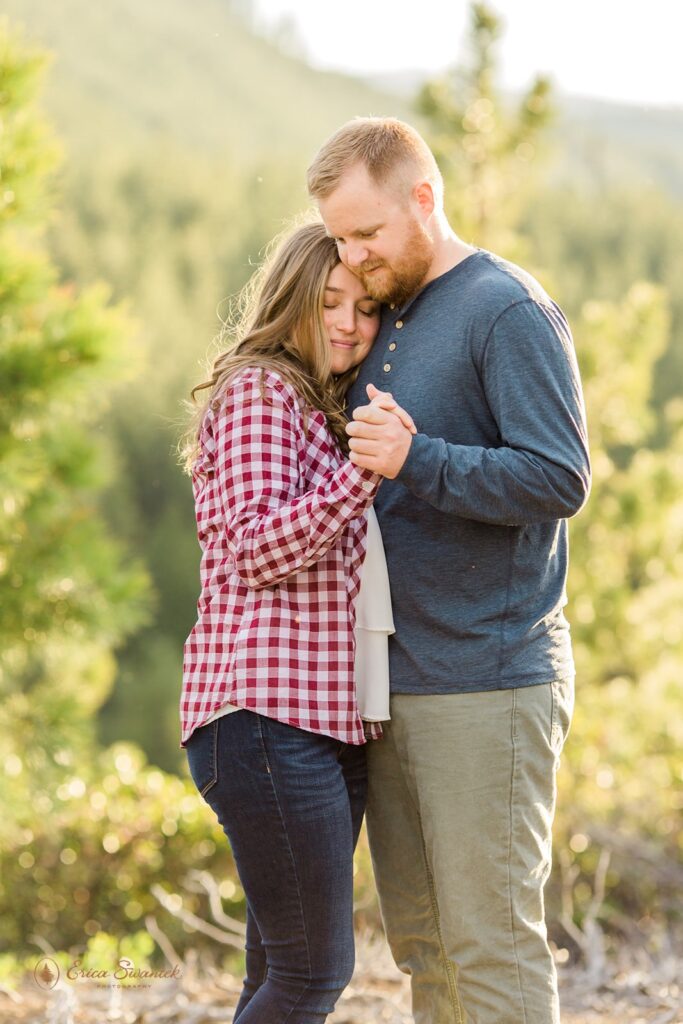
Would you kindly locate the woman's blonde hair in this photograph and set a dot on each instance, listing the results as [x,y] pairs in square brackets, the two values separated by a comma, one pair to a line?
[276,324]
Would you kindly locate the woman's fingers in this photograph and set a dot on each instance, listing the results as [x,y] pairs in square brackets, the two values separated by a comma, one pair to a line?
[390,405]
[385,400]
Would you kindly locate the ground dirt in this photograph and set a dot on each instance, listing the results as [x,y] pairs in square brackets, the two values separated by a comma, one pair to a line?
[637,991]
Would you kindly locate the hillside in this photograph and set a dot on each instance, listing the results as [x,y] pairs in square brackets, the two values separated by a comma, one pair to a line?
[126,72]
[596,140]
[196,76]
[618,142]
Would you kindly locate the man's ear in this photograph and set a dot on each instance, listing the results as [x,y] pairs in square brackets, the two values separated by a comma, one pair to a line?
[423,194]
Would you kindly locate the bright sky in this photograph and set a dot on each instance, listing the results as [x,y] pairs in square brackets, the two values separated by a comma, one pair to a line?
[609,49]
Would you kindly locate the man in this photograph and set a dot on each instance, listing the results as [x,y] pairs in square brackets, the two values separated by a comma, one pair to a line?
[473,513]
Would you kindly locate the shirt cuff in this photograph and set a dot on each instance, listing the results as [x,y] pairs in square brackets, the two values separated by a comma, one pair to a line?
[417,472]
[359,482]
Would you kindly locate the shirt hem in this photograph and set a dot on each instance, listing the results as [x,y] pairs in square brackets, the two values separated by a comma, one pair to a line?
[344,736]
[539,679]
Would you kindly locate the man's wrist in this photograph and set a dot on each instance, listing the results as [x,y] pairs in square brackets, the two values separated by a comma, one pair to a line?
[416,463]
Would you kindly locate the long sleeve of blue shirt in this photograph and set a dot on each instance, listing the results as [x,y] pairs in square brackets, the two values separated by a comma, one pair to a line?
[540,470]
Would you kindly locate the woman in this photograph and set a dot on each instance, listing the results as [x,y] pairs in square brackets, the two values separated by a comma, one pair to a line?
[274,737]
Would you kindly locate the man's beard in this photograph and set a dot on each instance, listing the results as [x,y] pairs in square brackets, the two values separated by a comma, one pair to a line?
[399,281]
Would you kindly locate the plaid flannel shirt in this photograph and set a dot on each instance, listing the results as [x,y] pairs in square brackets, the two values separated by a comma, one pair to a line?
[282,527]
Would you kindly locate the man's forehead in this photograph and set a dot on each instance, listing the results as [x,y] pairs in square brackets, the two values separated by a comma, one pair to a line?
[355,205]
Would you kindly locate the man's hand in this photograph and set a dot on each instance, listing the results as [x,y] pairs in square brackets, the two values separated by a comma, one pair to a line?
[380,434]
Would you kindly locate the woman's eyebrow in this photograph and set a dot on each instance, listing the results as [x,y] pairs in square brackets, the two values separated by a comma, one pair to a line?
[363,298]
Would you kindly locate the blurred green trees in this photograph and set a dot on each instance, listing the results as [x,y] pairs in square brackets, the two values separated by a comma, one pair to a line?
[88,863]
[67,595]
[622,783]
[488,154]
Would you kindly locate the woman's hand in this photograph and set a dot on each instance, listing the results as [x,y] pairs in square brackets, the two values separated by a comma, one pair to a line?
[380,434]
[384,400]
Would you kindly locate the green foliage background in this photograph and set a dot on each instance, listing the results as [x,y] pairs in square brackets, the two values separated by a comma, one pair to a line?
[112,273]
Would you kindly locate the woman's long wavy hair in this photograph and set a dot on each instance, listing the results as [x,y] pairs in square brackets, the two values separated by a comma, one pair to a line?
[277,324]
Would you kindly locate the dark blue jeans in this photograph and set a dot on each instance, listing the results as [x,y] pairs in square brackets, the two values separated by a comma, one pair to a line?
[291,803]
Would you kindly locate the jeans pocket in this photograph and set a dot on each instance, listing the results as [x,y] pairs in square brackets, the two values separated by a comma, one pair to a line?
[202,756]
[563,706]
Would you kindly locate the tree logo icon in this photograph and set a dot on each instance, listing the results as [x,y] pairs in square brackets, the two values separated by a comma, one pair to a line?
[46,973]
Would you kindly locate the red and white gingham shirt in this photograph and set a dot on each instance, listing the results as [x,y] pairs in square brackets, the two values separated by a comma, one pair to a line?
[282,527]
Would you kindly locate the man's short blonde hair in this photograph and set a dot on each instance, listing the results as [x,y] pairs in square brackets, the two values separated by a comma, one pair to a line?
[393,153]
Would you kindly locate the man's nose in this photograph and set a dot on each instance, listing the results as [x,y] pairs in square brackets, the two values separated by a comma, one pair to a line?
[355,254]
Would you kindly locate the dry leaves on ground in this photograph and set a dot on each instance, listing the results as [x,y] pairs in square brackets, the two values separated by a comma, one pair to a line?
[638,992]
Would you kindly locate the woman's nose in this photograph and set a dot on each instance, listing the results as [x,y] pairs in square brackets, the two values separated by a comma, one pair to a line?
[346,321]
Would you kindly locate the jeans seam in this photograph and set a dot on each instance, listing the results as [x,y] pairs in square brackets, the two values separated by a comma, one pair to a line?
[296,1004]
[263,747]
[513,772]
[214,762]
[293,862]
[450,975]
[265,968]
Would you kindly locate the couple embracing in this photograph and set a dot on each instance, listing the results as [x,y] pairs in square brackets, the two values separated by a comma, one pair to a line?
[383,469]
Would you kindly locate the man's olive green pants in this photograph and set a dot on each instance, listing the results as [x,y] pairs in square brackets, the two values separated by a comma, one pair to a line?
[461,803]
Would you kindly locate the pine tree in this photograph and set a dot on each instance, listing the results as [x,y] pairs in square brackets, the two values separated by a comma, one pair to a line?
[66,593]
[486,149]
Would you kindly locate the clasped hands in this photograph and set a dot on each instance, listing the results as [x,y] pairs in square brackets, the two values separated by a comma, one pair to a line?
[380,434]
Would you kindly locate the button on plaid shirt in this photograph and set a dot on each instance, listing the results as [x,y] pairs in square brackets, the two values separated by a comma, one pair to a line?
[282,527]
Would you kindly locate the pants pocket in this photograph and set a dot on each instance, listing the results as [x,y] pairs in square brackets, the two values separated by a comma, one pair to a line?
[563,706]
[202,756]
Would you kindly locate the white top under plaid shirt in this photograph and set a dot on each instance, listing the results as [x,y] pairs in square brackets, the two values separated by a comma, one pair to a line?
[282,527]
